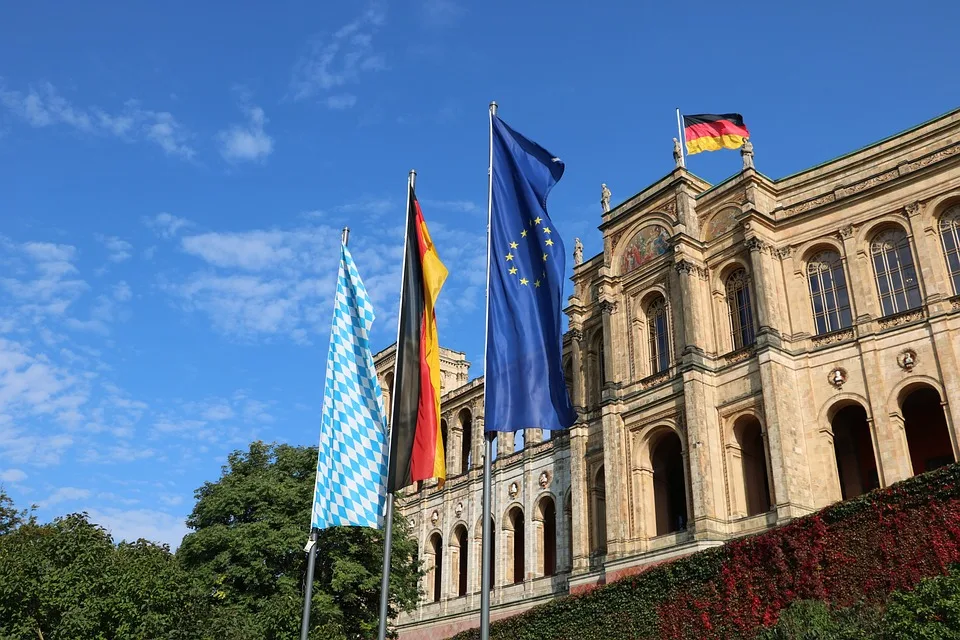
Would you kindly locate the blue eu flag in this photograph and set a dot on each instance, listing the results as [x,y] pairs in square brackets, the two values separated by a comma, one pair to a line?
[524,380]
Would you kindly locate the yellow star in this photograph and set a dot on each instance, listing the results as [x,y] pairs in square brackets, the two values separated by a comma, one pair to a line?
[547,230]
[549,242]
[537,220]
[523,234]
[524,281]
[513,271]
[509,257]
[536,283]
[513,245]
[544,257]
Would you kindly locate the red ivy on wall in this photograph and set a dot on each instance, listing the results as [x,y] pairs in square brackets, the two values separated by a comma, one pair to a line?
[858,550]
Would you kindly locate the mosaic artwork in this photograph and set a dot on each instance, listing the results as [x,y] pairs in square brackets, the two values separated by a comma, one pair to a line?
[649,243]
[720,224]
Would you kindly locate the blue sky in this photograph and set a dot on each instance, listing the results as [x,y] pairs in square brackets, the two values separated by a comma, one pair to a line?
[173,178]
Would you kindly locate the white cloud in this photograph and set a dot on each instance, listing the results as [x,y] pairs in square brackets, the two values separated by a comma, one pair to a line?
[42,106]
[217,412]
[441,13]
[341,58]
[122,292]
[42,278]
[341,101]
[248,142]
[171,500]
[166,225]
[251,251]
[119,250]
[64,494]
[455,206]
[133,524]
[12,475]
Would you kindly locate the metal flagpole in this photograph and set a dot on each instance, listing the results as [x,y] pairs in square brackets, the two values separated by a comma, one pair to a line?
[314,535]
[388,524]
[487,439]
[682,139]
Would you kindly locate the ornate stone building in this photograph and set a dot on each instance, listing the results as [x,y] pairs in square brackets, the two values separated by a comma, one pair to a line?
[740,354]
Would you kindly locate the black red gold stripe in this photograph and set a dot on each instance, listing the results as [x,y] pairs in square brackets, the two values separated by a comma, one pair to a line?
[416,445]
[710,132]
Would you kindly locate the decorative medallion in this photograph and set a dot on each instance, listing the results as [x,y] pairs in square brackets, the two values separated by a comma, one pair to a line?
[413,522]
[907,359]
[435,517]
[513,490]
[544,479]
[837,377]
[458,509]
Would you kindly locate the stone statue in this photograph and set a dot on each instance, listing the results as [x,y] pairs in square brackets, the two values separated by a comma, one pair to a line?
[747,152]
[677,153]
[604,198]
[577,252]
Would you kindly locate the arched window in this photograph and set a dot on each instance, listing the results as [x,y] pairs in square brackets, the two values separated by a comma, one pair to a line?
[741,309]
[828,292]
[466,440]
[658,338]
[896,274]
[435,575]
[950,236]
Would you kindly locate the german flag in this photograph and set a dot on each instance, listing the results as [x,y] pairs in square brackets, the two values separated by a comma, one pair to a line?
[710,132]
[416,444]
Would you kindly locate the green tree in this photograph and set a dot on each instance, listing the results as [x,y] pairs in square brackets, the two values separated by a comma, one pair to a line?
[66,580]
[250,527]
[932,610]
[10,516]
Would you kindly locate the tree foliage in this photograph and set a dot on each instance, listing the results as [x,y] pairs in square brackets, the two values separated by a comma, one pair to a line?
[67,580]
[247,550]
[238,576]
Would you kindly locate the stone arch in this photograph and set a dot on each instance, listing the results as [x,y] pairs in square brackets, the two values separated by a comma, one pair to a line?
[720,223]
[597,369]
[514,540]
[598,512]
[630,235]
[434,557]
[852,436]
[478,548]
[654,336]
[386,390]
[921,412]
[460,558]
[668,481]
[878,225]
[651,240]
[465,418]
[748,460]
[545,529]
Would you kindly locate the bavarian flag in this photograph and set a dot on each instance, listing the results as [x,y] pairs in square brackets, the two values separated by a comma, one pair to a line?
[711,132]
[416,444]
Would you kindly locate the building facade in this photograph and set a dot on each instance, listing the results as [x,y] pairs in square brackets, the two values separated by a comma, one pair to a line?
[740,354]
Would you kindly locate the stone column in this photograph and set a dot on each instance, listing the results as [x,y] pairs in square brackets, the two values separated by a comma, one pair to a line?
[694,320]
[505,440]
[576,345]
[579,497]
[928,252]
[766,306]
[607,308]
[476,446]
[616,478]
[703,454]
[532,437]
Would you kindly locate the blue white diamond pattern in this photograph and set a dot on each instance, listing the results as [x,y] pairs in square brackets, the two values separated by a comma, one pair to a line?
[352,460]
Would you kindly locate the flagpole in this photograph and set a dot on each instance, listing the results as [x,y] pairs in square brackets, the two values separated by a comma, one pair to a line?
[314,536]
[388,516]
[487,440]
[682,139]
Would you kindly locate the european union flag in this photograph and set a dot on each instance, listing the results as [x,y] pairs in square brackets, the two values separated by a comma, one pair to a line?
[524,380]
